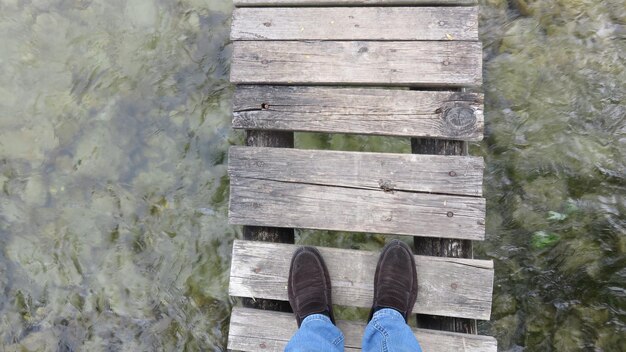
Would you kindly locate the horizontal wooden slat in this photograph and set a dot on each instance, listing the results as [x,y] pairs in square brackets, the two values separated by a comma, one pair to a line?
[354,23]
[240,3]
[447,286]
[427,63]
[258,202]
[261,330]
[461,175]
[399,112]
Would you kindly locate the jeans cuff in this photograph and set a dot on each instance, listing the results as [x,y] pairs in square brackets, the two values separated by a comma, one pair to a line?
[388,313]
[314,317]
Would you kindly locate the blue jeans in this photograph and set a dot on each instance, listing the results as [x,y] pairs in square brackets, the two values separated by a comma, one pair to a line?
[387,331]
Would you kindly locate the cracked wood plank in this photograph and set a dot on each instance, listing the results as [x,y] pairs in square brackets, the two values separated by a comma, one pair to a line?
[393,63]
[389,172]
[353,23]
[399,112]
[256,330]
[447,286]
[263,202]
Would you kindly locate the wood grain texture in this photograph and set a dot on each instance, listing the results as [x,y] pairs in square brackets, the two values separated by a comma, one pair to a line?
[447,287]
[242,3]
[378,171]
[354,23]
[257,330]
[282,204]
[399,112]
[424,63]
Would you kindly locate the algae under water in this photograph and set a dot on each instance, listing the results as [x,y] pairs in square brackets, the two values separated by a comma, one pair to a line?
[114,127]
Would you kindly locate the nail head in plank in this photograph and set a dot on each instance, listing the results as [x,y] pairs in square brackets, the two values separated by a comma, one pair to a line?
[281,204]
[447,286]
[423,63]
[241,3]
[392,112]
[254,330]
[460,175]
[354,23]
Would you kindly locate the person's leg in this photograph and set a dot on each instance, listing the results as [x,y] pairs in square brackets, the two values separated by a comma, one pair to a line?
[309,293]
[388,331]
[317,333]
[395,292]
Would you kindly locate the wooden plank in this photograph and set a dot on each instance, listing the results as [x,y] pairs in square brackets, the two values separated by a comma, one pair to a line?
[257,330]
[399,112]
[242,3]
[424,63]
[282,204]
[390,172]
[354,23]
[447,286]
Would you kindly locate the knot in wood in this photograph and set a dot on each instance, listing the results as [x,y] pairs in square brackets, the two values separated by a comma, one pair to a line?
[460,118]
[265,106]
[386,185]
[450,214]
[452,173]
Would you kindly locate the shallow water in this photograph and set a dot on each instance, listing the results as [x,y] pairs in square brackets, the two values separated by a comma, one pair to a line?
[115,121]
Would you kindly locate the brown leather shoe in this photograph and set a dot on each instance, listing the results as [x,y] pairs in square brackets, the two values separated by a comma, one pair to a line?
[309,285]
[395,282]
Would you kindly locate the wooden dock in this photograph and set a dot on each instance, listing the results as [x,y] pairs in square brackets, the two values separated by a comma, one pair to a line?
[406,68]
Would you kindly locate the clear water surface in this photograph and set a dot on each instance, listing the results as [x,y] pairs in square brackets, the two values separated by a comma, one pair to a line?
[114,127]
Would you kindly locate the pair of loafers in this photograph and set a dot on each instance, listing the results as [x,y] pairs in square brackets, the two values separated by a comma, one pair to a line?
[395,282]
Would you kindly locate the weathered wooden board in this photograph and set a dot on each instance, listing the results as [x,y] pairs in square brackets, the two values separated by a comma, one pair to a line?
[423,63]
[355,23]
[241,3]
[399,112]
[447,286]
[259,202]
[391,172]
[258,330]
